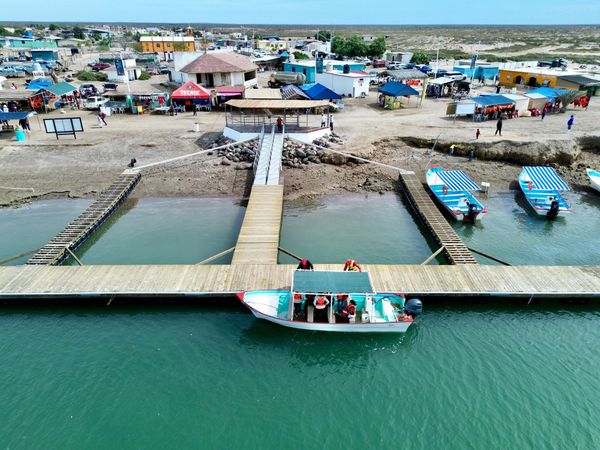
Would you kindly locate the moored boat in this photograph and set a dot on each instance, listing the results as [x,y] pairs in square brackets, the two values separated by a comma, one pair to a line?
[594,176]
[335,302]
[542,188]
[453,189]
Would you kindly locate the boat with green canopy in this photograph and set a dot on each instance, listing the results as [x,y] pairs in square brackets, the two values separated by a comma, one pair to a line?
[333,301]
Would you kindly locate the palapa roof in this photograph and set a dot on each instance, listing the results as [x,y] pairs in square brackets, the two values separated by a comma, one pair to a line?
[276,104]
[265,94]
[220,62]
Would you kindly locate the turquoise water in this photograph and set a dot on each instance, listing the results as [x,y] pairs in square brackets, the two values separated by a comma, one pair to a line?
[511,231]
[207,377]
[211,376]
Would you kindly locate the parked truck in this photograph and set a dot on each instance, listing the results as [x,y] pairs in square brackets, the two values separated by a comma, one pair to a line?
[278,79]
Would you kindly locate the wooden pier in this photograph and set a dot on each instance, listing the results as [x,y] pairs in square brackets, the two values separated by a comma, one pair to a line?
[454,248]
[60,247]
[181,281]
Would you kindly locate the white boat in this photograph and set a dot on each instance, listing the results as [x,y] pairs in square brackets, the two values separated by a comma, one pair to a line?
[542,186]
[452,188]
[594,178]
[298,306]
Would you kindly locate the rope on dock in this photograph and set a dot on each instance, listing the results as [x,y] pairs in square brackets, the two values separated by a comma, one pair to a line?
[348,155]
[217,256]
[504,263]
[189,155]
[437,252]
[287,252]
[13,258]
[74,256]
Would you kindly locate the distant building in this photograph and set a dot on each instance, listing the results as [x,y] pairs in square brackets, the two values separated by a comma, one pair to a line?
[219,69]
[353,84]
[166,46]
[132,72]
[309,67]
[368,37]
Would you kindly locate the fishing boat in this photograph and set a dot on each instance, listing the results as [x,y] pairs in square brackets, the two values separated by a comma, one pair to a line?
[453,189]
[594,178]
[324,301]
[542,188]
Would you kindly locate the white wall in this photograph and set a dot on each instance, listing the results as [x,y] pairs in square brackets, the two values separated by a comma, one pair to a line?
[344,85]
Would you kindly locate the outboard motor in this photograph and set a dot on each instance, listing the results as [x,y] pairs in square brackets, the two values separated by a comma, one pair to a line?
[554,209]
[473,212]
[414,307]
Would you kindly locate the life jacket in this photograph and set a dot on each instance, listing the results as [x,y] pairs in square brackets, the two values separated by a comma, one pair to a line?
[297,298]
[408,318]
[349,311]
[320,302]
[351,266]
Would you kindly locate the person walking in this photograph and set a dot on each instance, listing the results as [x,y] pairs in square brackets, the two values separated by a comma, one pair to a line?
[498,127]
[323,120]
[331,121]
[101,118]
[279,124]
[570,122]
[544,111]
[477,133]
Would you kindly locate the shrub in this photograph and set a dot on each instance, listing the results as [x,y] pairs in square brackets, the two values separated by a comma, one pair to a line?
[144,76]
[91,76]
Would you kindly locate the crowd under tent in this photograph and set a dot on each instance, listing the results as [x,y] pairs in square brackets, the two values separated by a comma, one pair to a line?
[440,87]
[20,99]
[390,92]
[55,96]
[263,94]
[293,92]
[317,91]
[249,115]
[521,102]
[190,96]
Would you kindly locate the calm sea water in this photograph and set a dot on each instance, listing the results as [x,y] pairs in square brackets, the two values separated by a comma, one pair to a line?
[210,376]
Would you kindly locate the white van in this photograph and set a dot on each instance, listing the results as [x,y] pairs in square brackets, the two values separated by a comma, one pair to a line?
[94,102]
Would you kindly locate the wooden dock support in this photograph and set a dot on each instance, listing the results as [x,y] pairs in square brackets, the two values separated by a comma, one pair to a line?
[59,248]
[454,248]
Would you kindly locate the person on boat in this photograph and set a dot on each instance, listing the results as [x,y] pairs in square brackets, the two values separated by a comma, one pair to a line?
[297,304]
[310,298]
[305,264]
[320,303]
[341,302]
[445,190]
[348,312]
[351,266]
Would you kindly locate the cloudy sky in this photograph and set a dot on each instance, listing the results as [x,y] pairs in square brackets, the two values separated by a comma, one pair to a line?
[310,11]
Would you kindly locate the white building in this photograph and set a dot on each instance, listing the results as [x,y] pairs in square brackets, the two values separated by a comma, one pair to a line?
[215,69]
[353,84]
[132,72]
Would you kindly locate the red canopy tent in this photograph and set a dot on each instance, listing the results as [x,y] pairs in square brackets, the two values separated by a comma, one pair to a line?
[190,94]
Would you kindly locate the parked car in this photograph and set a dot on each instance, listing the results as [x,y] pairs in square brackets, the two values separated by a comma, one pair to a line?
[110,87]
[164,70]
[152,70]
[455,75]
[94,102]
[88,90]
[100,66]
[379,63]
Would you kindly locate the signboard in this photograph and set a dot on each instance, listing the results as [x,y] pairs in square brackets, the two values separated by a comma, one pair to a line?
[64,126]
[465,109]
[120,66]
[473,61]
[319,65]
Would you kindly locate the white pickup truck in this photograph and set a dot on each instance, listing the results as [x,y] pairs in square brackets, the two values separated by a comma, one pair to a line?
[94,102]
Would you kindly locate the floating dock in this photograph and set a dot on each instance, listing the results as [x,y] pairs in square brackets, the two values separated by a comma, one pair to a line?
[178,281]
[443,233]
[59,248]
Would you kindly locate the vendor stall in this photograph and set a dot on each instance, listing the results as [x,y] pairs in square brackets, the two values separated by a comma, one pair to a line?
[390,93]
[491,107]
[190,96]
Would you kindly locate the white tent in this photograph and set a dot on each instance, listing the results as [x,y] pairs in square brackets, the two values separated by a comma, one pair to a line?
[2,80]
[521,102]
[536,100]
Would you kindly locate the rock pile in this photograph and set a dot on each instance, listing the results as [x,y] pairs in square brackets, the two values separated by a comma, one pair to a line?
[243,152]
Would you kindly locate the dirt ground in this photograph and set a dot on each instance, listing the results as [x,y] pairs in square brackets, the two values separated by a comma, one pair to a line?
[43,166]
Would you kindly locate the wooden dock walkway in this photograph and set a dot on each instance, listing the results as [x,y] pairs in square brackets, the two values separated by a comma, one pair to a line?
[258,240]
[74,234]
[175,281]
[454,248]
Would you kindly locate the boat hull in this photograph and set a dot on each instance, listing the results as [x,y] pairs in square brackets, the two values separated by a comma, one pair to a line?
[539,201]
[383,327]
[594,179]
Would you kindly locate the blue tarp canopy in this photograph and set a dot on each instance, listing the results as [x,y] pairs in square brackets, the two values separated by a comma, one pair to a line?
[14,115]
[456,180]
[492,100]
[396,89]
[39,83]
[317,91]
[545,178]
[549,92]
[314,282]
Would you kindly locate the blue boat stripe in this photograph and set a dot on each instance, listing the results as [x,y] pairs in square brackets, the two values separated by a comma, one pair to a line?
[456,180]
[545,178]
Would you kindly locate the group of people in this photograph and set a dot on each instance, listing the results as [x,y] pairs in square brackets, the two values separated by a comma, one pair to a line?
[349,266]
[344,308]
[325,118]
[13,107]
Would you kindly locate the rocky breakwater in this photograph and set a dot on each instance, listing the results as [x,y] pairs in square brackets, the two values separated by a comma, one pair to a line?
[241,155]
[298,155]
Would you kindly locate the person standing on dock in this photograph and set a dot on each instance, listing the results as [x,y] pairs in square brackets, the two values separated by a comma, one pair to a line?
[323,120]
[331,121]
[499,127]
[477,133]
[351,266]
[305,264]
[279,124]
[570,122]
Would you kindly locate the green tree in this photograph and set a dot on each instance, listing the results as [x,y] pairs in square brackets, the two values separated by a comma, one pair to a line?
[19,31]
[377,47]
[300,55]
[52,27]
[179,46]
[419,58]
[323,35]
[3,31]
[137,47]
[78,33]
[338,45]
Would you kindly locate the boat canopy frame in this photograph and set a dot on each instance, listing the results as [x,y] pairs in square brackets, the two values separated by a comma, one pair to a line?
[329,282]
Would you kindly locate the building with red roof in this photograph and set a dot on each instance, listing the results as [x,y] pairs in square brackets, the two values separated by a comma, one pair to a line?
[218,69]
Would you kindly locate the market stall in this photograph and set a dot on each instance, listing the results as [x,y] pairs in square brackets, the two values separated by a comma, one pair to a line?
[190,96]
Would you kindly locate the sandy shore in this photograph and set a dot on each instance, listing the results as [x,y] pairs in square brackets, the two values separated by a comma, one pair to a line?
[84,167]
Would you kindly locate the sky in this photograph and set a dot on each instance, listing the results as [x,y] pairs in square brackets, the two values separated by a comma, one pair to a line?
[367,12]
